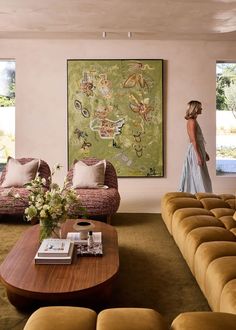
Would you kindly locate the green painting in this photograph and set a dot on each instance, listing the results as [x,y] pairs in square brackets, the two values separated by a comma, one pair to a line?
[115,112]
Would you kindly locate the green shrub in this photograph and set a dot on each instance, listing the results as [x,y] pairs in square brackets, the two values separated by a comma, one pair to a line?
[226,152]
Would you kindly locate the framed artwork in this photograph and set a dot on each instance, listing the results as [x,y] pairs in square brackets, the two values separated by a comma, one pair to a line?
[115,112]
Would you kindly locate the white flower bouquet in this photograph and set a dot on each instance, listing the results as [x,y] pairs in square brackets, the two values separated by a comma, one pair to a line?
[51,206]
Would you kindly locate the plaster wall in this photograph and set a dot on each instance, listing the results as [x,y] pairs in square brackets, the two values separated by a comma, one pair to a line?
[41,103]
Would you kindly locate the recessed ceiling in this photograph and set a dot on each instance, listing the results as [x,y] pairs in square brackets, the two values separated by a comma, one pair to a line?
[150,19]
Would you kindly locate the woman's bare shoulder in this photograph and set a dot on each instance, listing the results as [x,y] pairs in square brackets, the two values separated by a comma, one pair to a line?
[191,122]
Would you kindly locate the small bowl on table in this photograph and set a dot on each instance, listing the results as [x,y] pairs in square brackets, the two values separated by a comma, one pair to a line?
[83,227]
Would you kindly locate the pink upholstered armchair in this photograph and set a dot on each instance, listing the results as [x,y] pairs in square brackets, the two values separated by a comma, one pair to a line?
[12,206]
[99,202]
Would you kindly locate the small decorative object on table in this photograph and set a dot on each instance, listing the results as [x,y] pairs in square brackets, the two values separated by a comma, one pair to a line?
[83,227]
[90,242]
[50,206]
[89,246]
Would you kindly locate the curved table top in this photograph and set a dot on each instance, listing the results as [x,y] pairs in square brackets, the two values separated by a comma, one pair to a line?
[22,276]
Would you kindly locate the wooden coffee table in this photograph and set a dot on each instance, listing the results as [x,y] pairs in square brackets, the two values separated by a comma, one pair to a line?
[86,282]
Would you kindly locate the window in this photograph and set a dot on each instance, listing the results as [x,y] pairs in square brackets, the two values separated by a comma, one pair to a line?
[7,110]
[226,118]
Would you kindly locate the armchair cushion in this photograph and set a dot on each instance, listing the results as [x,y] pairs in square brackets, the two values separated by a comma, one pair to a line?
[18,174]
[89,176]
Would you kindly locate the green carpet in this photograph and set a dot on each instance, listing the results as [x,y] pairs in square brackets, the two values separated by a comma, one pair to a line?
[153,273]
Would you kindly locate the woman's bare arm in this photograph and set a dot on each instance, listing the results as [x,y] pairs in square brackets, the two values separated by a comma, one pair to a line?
[191,128]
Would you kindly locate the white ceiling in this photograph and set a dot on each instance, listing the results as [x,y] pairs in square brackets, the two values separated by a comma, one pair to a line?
[146,19]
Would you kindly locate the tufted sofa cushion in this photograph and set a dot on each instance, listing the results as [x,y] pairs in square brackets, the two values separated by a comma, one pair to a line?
[204,321]
[219,272]
[130,319]
[61,318]
[228,297]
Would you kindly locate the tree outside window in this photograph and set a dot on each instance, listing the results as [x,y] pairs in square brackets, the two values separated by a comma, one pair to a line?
[7,110]
[225,118]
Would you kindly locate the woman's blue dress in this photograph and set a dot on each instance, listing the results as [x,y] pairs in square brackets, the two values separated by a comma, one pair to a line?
[195,178]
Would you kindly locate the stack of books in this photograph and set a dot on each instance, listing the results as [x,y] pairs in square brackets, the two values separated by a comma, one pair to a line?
[82,246]
[55,251]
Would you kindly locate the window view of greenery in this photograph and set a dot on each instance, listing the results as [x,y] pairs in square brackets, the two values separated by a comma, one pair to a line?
[225,118]
[7,110]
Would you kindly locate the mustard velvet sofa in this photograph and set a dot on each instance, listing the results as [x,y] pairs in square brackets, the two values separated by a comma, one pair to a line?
[79,318]
[204,229]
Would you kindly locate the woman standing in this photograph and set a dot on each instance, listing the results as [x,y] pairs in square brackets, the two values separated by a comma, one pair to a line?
[195,177]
